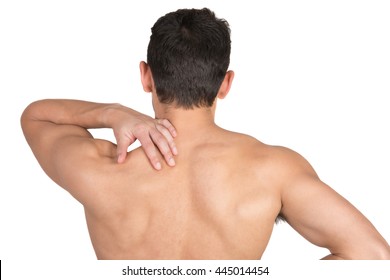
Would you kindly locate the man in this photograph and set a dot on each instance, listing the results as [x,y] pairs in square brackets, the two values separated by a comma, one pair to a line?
[194,190]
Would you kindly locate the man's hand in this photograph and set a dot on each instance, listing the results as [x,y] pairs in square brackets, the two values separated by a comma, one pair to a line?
[155,135]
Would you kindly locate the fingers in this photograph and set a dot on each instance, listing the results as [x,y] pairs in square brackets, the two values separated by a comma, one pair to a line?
[162,143]
[168,136]
[122,144]
[150,150]
[168,125]
[156,138]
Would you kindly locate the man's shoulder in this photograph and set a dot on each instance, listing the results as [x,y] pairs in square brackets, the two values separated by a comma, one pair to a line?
[242,139]
[278,159]
[286,165]
[254,146]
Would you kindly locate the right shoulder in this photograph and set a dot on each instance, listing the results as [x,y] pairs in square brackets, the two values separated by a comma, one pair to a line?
[280,165]
[279,159]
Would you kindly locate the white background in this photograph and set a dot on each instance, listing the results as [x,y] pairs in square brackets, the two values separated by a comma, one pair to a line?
[310,75]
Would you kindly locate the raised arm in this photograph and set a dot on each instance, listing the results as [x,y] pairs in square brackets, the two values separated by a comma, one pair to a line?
[39,118]
[56,131]
[325,218]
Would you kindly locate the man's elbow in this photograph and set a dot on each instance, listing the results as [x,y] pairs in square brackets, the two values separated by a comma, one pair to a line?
[33,112]
[25,117]
[29,112]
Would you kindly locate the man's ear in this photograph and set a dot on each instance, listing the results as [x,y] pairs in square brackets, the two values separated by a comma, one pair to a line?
[226,84]
[146,77]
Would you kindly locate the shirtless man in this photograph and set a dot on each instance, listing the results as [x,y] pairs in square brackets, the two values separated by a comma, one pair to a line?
[192,190]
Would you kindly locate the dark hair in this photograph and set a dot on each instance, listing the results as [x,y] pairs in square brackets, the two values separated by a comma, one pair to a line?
[189,54]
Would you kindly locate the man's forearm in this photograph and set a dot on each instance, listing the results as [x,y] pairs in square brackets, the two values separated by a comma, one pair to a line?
[72,112]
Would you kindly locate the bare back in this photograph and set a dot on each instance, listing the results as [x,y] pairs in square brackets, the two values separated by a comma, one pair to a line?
[214,204]
[220,201]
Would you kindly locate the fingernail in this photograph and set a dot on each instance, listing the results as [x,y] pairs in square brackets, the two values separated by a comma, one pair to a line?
[174,150]
[171,162]
[158,166]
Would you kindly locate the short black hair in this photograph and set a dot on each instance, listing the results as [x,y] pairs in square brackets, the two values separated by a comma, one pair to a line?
[189,54]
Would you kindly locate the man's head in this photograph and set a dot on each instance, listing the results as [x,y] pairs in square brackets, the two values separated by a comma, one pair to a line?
[188,56]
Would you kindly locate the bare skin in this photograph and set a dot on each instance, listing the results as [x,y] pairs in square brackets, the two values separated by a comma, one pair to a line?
[217,199]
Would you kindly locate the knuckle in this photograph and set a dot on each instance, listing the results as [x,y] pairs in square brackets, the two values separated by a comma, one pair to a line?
[140,130]
[158,138]
[139,126]
[159,127]
[148,145]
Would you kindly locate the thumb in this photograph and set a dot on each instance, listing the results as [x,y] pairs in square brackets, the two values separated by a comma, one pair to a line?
[121,149]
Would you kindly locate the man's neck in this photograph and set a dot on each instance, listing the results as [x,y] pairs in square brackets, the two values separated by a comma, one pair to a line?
[191,123]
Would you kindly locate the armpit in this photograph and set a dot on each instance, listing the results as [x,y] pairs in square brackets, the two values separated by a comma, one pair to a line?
[280,218]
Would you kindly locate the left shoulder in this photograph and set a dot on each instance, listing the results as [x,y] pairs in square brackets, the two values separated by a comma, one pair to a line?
[289,161]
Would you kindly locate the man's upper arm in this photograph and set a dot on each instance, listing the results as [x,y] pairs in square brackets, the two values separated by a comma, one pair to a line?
[67,153]
[328,220]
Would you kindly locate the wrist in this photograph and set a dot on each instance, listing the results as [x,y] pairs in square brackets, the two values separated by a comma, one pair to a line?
[116,113]
[109,114]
